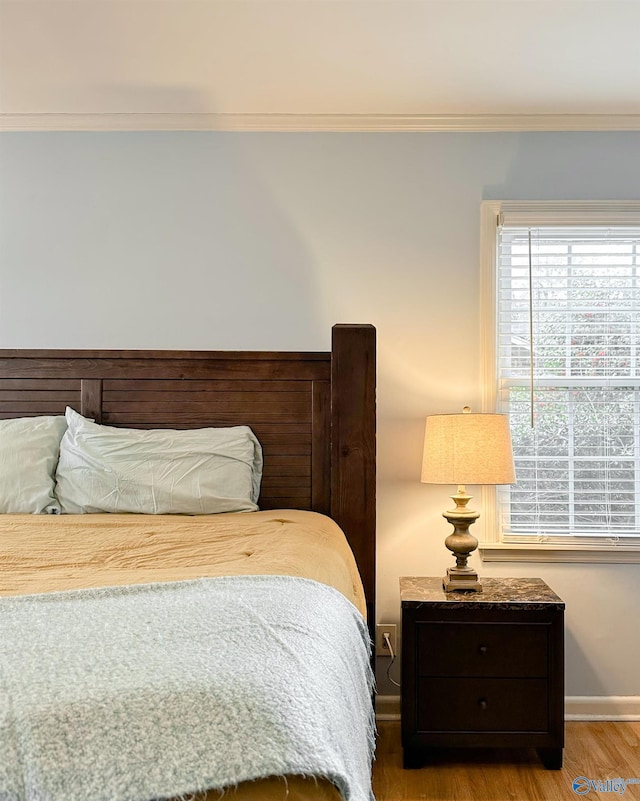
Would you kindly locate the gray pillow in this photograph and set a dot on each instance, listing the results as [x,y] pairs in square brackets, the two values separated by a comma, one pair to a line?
[158,471]
[29,448]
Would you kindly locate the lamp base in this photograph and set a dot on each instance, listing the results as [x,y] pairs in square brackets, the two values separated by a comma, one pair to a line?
[461,543]
[456,580]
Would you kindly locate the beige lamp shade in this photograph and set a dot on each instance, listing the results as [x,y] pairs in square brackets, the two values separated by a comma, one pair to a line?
[467,449]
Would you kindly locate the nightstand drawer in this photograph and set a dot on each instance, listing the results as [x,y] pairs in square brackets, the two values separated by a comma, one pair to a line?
[482,649]
[482,705]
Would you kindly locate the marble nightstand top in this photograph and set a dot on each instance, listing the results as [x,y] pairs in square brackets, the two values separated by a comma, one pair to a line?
[509,593]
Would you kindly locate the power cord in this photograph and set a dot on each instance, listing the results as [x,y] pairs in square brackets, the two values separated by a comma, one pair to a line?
[387,640]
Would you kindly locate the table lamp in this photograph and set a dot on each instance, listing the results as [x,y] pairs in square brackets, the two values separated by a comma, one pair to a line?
[466,449]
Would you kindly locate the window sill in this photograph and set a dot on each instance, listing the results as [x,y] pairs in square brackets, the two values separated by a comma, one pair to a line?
[532,552]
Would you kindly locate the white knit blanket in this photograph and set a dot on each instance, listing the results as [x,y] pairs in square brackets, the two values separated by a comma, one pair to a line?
[159,690]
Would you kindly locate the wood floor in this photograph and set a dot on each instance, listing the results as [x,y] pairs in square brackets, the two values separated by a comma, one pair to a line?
[597,751]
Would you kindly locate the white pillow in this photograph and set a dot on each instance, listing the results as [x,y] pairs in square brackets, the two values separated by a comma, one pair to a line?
[160,471]
[29,449]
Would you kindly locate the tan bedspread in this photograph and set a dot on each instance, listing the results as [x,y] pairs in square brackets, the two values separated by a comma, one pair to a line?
[47,553]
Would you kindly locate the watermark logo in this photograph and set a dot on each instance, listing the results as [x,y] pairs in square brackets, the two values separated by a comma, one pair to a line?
[582,785]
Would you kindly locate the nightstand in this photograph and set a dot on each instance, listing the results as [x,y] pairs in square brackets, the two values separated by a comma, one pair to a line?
[482,669]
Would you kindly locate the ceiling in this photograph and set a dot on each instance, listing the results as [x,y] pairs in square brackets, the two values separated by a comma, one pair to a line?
[372,64]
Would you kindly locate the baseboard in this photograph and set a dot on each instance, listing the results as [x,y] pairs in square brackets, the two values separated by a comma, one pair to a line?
[577,707]
[388,707]
[602,707]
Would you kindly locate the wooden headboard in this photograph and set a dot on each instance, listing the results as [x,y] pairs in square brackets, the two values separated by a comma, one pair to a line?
[314,414]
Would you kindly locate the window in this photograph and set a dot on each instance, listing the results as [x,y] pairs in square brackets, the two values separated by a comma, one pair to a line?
[563,362]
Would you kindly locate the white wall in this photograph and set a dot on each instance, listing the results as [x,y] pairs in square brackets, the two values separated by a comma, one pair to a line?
[214,240]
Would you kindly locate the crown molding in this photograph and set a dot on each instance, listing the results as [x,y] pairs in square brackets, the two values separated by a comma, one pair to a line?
[320,122]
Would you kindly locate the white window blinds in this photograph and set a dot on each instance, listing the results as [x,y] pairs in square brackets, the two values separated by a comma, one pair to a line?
[568,316]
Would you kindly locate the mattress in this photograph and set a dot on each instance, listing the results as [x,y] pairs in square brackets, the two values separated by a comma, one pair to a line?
[41,554]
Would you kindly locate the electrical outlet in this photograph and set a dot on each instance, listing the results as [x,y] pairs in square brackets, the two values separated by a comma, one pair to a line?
[381,645]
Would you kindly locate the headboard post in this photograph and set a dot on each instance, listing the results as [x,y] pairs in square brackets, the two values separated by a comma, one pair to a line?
[353,447]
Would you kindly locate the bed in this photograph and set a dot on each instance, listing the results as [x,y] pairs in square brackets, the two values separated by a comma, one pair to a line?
[314,416]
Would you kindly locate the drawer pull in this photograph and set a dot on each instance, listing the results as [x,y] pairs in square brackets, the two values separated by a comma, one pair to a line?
[483,650]
[483,703]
